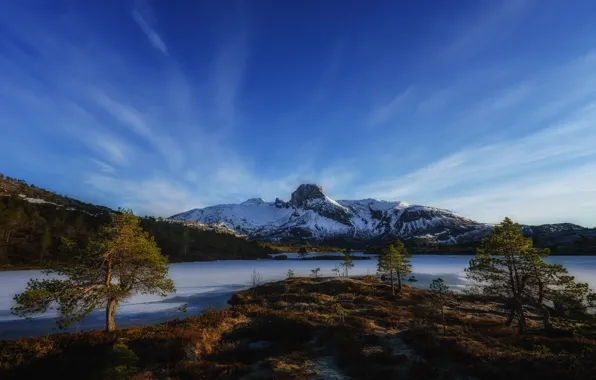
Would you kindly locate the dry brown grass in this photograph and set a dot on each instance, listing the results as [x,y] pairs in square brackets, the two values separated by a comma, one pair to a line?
[280,329]
[190,338]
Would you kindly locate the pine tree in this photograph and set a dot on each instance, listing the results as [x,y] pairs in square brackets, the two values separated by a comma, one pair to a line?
[508,267]
[315,272]
[347,264]
[119,261]
[393,261]
[439,296]
[79,224]
[184,241]
[46,243]
[302,251]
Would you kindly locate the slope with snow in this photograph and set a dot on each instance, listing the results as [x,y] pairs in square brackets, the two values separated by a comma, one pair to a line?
[312,215]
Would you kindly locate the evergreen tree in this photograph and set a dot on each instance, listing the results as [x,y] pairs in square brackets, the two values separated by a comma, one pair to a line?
[184,241]
[302,251]
[347,264]
[119,261]
[508,267]
[439,296]
[46,243]
[393,261]
[79,224]
[315,272]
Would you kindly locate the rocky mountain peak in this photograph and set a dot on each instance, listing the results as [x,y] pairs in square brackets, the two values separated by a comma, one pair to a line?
[306,192]
[253,201]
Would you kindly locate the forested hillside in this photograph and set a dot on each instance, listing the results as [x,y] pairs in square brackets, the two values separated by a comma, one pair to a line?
[33,221]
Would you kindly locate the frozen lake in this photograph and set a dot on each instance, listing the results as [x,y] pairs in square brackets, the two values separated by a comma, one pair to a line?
[202,284]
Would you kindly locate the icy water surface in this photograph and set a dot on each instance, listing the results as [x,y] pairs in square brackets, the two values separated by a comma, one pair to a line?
[204,284]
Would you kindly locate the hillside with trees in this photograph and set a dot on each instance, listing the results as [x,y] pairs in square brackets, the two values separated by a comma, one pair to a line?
[33,222]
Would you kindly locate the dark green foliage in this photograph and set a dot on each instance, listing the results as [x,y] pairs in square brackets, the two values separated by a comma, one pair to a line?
[393,261]
[508,267]
[30,233]
[181,242]
[347,263]
[122,362]
[118,261]
[440,295]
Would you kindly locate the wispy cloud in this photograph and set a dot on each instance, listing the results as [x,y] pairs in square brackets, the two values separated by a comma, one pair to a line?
[102,166]
[384,112]
[228,74]
[152,35]
[153,196]
[486,141]
[111,149]
[562,195]
[493,174]
[493,25]
[542,140]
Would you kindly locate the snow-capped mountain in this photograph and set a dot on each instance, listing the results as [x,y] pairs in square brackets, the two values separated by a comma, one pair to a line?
[311,215]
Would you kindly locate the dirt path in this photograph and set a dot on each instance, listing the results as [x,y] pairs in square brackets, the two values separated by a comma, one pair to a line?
[325,369]
[393,338]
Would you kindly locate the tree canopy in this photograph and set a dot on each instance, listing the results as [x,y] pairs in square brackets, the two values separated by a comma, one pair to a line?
[508,267]
[440,295]
[347,263]
[393,261]
[117,262]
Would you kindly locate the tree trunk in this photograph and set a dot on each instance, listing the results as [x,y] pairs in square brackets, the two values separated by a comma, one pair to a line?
[510,317]
[392,285]
[546,318]
[110,312]
[398,282]
[111,306]
[443,319]
[522,319]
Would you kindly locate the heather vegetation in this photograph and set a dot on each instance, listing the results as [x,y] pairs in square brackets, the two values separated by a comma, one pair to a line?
[317,328]
[358,328]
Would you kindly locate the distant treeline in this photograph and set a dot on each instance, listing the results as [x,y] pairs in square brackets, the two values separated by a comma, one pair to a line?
[30,235]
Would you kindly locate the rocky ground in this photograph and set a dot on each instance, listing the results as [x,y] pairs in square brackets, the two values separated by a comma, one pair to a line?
[321,328]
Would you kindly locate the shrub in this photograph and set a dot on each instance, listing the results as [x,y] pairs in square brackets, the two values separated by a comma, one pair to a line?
[122,362]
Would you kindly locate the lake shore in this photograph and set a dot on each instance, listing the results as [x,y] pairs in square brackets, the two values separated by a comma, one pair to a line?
[202,284]
[322,328]
[8,268]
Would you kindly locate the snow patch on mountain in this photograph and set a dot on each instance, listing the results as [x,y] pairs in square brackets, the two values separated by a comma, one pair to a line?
[312,215]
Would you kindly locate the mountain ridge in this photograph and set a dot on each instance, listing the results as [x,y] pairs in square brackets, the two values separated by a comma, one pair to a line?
[311,216]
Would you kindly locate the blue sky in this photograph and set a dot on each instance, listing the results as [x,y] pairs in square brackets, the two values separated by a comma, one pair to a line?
[487,108]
